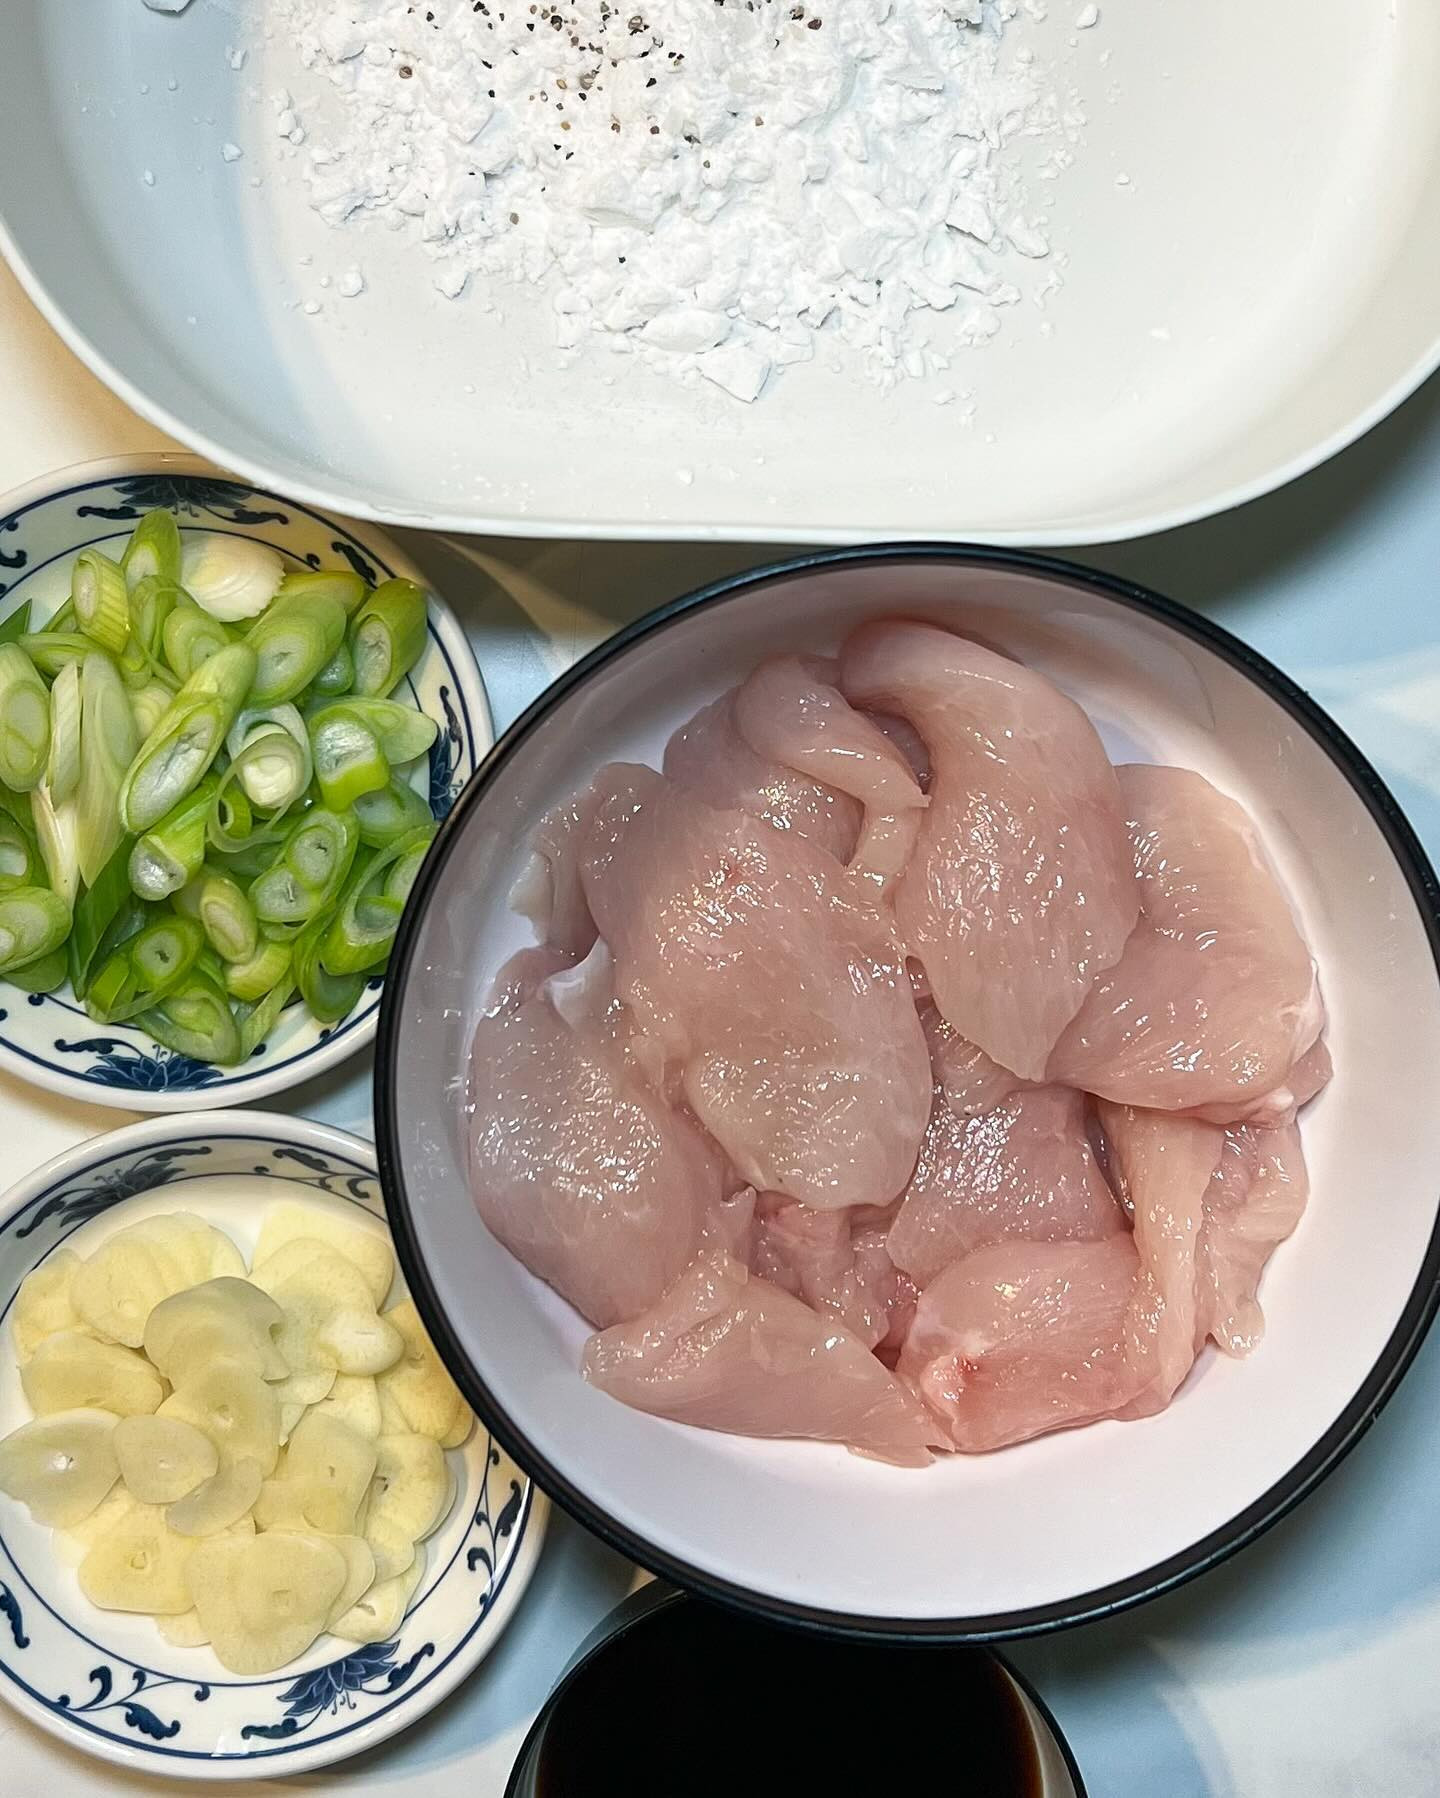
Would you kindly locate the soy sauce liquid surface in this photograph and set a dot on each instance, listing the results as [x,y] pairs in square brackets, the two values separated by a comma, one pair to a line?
[694,1703]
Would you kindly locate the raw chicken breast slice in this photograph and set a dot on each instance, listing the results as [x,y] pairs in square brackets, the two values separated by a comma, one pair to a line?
[1273,1110]
[709,757]
[1019,890]
[549,892]
[1162,1166]
[727,1351]
[1024,1169]
[776,999]
[1215,998]
[577,1166]
[1025,1337]
[971,1081]
[1252,1203]
[789,711]
[822,1258]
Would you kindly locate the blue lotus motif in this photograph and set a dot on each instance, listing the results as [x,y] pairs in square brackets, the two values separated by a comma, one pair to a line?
[372,1669]
[445,754]
[79,1203]
[119,1064]
[189,494]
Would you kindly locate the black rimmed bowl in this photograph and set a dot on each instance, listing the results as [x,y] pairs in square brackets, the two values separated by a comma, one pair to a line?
[1073,1525]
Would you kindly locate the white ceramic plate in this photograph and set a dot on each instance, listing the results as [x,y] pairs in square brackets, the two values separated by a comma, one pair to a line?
[1071,1525]
[107,1682]
[1262,287]
[48,1039]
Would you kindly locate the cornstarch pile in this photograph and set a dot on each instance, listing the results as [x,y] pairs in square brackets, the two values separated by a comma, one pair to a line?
[720,187]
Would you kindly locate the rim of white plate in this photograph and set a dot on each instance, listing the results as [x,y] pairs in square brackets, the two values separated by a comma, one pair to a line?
[505,525]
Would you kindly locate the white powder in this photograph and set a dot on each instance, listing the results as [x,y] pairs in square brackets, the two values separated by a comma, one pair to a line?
[707,184]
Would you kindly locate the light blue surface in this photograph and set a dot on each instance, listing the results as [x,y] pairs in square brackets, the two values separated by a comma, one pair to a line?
[1308,1666]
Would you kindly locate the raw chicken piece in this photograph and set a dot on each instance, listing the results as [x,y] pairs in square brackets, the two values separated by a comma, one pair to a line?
[549,893]
[1019,890]
[775,997]
[1253,1202]
[971,1081]
[1273,1110]
[789,712]
[821,1257]
[1023,1169]
[1214,999]
[1163,1167]
[728,1351]
[577,1166]
[1024,1337]
[708,757]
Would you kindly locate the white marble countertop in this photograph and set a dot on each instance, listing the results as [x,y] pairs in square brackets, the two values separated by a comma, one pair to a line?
[1309,1664]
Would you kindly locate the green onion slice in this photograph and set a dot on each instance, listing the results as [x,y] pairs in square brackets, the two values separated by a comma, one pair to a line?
[33,921]
[63,773]
[394,811]
[228,919]
[20,862]
[340,584]
[387,637]
[269,750]
[337,676]
[14,625]
[178,752]
[153,552]
[46,974]
[97,592]
[328,996]
[169,854]
[105,914]
[107,746]
[261,973]
[57,830]
[230,577]
[51,650]
[24,720]
[196,1020]
[348,761]
[292,642]
[401,732]
[190,636]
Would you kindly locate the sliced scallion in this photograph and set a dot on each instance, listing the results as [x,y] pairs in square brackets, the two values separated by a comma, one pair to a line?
[340,584]
[152,600]
[292,642]
[107,745]
[310,869]
[169,854]
[394,811]
[348,762]
[178,752]
[401,732]
[190,637]
[105,913]
[251,979]
[258,1020]
[269,749]
[24,720]
[57,831]
[97,592]
[328,996]
[20,861]
[164,952]
[33,921]
[63,772]
[228,919]
[363,928]
[149,704]
[43,975]
[230,577]
[337,676]
[196,1020]
[153,552]
[51,650]
[387,637]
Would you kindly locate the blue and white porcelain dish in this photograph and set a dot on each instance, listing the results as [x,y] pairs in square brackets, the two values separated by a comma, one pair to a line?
[48,1039]
[106,1681]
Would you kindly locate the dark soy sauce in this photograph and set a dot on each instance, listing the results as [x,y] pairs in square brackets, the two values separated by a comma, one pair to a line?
[691,1702]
